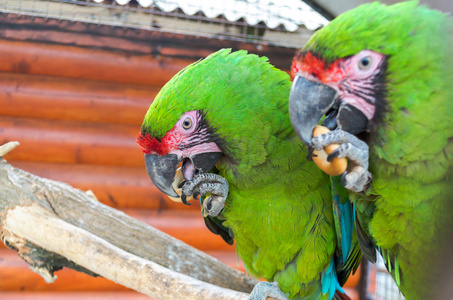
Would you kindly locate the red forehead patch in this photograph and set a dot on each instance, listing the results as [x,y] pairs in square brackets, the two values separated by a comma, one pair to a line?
[310,65]
[150,145]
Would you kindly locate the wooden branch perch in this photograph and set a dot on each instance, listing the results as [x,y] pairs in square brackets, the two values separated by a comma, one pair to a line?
[52,225]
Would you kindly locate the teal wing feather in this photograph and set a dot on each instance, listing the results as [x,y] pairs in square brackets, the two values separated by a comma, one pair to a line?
[348,255]
[344,215]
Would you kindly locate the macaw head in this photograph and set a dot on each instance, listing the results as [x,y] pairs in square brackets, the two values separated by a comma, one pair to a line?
[367,62]
[211,110]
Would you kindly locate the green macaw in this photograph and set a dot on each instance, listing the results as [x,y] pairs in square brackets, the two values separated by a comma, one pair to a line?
[228,114]
[382,78]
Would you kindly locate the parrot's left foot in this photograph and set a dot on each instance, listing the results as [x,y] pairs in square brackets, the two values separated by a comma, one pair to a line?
[205,183]
[357,177]
[267,289]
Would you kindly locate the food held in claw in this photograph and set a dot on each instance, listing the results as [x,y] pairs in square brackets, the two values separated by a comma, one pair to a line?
[178,179]
[334,168]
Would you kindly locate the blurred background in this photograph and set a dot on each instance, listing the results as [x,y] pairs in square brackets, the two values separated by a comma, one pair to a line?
[76,78]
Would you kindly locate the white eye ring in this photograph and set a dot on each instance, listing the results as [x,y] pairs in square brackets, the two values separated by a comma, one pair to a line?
[365,62]
[187,123]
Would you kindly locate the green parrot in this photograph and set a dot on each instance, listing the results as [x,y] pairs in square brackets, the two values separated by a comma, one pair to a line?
[225,120]
[381,79]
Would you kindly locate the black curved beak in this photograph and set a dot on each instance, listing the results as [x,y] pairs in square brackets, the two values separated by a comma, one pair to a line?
[308,102]
[162,168]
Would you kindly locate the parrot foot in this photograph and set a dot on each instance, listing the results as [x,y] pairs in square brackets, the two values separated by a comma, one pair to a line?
[357,177]
[267,289]
[204,183]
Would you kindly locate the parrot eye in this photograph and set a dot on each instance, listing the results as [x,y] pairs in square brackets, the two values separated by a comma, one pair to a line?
[365,63]
[187,123]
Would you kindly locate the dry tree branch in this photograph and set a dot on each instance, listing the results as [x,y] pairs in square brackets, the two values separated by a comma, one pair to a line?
[97,255]
[52,225]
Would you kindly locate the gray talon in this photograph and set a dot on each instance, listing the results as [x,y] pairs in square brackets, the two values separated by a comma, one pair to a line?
[205,183]
[214,205]
[267,289]
[357,177]
[356,180]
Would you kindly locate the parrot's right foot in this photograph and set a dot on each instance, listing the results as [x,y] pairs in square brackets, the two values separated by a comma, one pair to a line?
[357,177]
[267,289]
[205,183]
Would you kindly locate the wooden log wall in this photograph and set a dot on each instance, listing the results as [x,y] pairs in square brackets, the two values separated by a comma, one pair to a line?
[76,110]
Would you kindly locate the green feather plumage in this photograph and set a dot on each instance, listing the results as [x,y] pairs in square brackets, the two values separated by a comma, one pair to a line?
[411,152]
[279,206]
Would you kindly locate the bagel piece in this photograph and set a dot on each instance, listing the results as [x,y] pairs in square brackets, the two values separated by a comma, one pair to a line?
[338,165]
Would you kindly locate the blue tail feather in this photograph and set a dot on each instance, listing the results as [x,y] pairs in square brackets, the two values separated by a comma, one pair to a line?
[329,281]
[346,224]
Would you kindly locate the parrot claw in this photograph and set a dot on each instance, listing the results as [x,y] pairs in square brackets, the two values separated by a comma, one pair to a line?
[357,177]
[356,181]
[205,183]
[267,289]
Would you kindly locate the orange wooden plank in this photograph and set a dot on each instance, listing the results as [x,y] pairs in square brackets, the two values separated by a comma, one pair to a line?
[71,141]
[74,99]
[129,40]
[116,186]
[353,280]
[78,62]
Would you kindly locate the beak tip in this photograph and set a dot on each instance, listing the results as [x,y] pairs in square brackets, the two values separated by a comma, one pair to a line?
[162,170]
